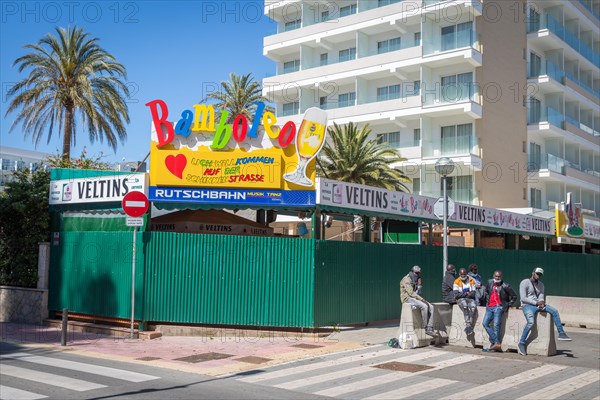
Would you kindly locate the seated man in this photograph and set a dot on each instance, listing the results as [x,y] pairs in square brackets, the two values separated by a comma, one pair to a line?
[448,284]
[409,295]
[499,297]
[533,300]
[479,290]
[464,292]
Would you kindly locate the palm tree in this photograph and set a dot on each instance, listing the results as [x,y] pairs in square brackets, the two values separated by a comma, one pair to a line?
[70,75]
[238,96]
[350,156]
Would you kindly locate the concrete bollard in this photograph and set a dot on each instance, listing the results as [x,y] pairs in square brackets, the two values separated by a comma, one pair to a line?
[411,322]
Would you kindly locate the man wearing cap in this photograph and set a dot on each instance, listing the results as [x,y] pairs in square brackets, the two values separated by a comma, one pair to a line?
[533,300]
[409,295]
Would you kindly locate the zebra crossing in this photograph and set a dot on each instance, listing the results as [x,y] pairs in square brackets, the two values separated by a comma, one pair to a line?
[379,372]
[27,369]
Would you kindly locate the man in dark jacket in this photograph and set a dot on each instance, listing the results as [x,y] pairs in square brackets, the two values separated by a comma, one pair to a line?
[499,297]
[448,285]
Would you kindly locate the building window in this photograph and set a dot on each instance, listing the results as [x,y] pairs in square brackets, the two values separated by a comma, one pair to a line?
[348,10]
[347,99]
[388,92]
[388,45]
[324,59]
[416,185]
[457,87]
[347,54]
[392,139]
[291,66]
[535,65]
[7,165]
[535,110]
[535,157]
[456,139]
[290,26]
[460,188]
[533,20]
[382,3]
[291,108]
[416,88]
[417,137]
[535,198]
[417,38]
[457,36]
[325,16]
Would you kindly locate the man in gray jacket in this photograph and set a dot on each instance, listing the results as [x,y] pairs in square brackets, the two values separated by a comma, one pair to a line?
[533,300]
[408,294]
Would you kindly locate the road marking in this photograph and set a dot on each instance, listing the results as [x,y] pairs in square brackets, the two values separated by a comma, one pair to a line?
[82,367]
[414,389]
[363,384]
[563,387]
[10,393]
[49,379]
[334,362]
[506,383]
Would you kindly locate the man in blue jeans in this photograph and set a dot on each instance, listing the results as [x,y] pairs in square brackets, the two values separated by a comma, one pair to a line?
[499,297]
[533,300]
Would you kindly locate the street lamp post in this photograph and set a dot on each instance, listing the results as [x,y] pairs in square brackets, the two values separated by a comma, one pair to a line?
[444,166]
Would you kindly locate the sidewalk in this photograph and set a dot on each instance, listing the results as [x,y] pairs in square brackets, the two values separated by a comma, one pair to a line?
[218,352]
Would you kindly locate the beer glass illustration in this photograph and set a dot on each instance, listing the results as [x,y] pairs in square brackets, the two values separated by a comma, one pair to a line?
[309,141]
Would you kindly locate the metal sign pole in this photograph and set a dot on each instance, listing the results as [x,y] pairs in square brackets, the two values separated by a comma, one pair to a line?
[445,232]
[133,280]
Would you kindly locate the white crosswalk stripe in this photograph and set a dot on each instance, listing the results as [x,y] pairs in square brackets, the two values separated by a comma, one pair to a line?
[505,383]
[49,379]
[11,393]
[82,367]
[413,390]
[563,387]
[334,362]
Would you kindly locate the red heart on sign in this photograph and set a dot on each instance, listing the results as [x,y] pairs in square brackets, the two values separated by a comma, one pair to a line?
[176,164]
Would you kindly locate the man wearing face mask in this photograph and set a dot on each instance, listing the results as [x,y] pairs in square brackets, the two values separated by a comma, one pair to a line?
[448,285]
[499,297]
[409,295]
[464,292]
[533,300]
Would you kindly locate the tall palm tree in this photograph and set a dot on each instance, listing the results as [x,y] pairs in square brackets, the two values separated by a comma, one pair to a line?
[350,156]
[238,96]
[70,75]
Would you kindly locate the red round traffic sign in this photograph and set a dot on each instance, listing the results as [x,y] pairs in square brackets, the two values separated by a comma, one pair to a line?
[135,204]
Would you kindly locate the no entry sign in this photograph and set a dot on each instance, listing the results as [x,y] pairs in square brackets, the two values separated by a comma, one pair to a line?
[135,204]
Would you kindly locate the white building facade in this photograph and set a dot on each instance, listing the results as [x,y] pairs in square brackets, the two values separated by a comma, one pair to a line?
[508,89]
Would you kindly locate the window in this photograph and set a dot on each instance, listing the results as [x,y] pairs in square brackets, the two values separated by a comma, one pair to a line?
[388,45]
[324,59]
[392,139]
[347,54]
[291,108]
[456,139]
[535,157]
[290,26]
[533,20]
[460,188]
[417,38]
[457,87]
[323,102]
[7,164]
[535,198]
[348,10]
[324,16]
[388,92]
[457,36]
[382,3]
[416,185]
[535,111]
[535,65]
[416,88]
[347,99]
[291,66]
[417,137]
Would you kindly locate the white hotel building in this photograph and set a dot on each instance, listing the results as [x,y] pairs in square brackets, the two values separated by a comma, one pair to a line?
[508,89]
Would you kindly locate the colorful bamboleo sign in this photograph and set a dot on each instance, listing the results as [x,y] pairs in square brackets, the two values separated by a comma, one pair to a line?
[361,197]
[569,219]
[194,153]
[98,189]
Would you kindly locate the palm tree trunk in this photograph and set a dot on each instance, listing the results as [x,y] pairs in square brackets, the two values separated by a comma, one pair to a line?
[68,132]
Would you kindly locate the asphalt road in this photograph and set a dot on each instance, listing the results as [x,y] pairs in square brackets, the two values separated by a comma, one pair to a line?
[34,373]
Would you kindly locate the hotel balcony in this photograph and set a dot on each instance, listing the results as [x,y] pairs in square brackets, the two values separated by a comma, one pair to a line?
[552,168]
[548,123]
[547,33]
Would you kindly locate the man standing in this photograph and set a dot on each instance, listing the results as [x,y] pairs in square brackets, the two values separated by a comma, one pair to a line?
[499,297]
[464,292]
[448,285]
[533,300]
[408,294]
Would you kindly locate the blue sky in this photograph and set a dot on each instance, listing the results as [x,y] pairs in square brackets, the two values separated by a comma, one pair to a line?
[173,50]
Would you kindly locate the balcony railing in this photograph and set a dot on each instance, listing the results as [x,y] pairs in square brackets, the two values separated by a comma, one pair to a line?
[432,45]
[393,96]
[583,85]
[460,146]
[546,67]
[330,105]
[547,21]
[556,118]
[449,94]
[460,195]
[588,5]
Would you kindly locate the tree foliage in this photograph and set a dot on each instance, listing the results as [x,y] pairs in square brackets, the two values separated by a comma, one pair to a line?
[70,76]
[24,223]
[351,156]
